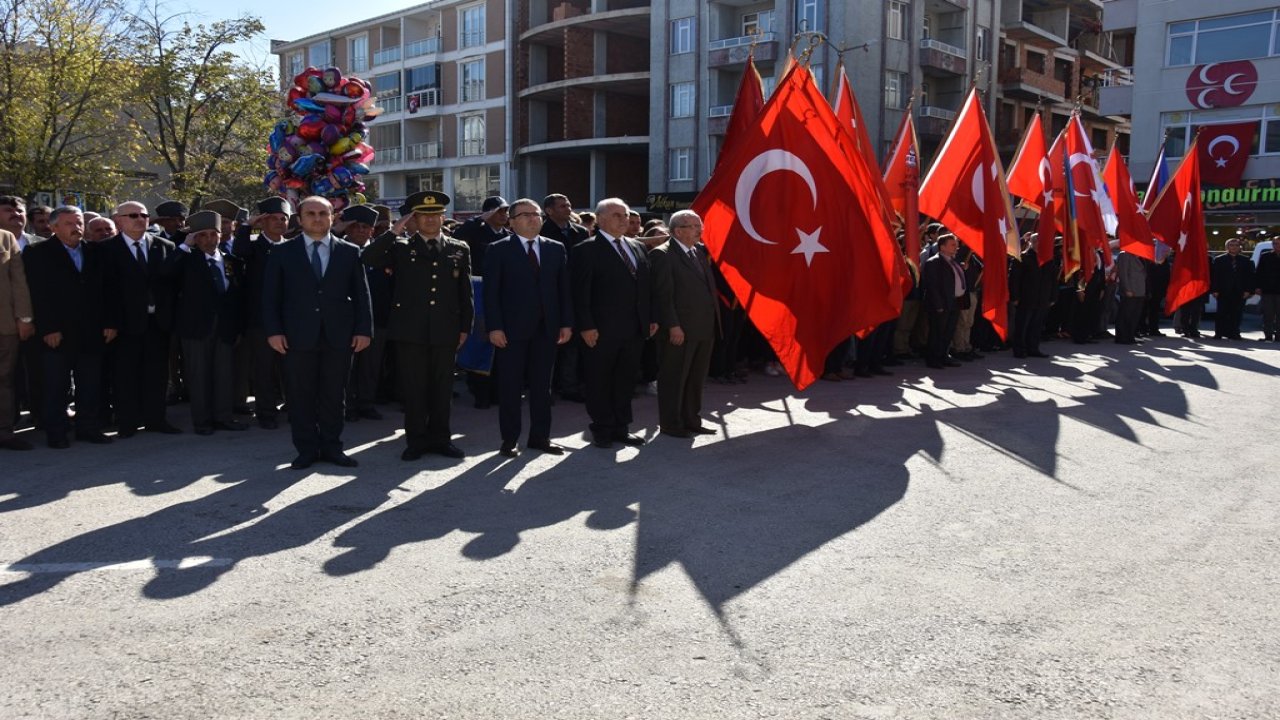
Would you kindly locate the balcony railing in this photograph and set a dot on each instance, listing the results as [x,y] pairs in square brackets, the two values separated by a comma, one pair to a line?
[929,111]
[423,98]
[386,155]
[386,55]
[473,147]
[1112,77]
[418,48]
[425,151]
[359,64]
[391,103]
[931,44]
[743,40]
[720,111]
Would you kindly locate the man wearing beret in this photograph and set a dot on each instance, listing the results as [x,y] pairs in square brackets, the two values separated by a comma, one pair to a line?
[207,320]
[431,313]
[367,366]
[271,219]
[171,215]
[315,309]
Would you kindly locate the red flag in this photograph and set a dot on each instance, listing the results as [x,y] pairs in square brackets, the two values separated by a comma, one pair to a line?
[746,107]
[793,219]
[1177,218]
[1031,178]
[850,115]
[1094,215]
[1131,229]
[1224,152]
[965,191]
[902,182]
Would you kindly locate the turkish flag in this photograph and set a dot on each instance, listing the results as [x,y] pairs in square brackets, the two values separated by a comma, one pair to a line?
[1031,179]
[1224,152]
[966,192]
[1177,218]
[1094,215]
[902,182]
[792,217]
[1131,229]
[746,107]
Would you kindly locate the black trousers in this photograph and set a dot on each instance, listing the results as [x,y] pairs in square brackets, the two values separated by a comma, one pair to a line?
[366,368]
[60,366]
[426,383]
[208,366]
[835,359]
[1028,326]
[942,326]
[871,350]
[1230,310]
[1128,316]
[682,375]
[28,379]
[525,363]
[267,376]
[317,387]
[141,376]
[612,369]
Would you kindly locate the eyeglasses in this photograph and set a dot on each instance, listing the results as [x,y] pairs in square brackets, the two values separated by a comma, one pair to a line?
[135,216]
[526,214]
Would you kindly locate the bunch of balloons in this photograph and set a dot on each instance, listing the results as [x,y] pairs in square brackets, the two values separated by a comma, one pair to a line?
[320,148]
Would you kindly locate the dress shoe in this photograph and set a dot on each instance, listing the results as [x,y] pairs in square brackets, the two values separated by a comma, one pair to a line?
[242,410]
[676,433]
[573,397]
[545,446]
[303,461]
[370,414]
[508,450]
[203,430]
[975,355]
[93,438]
[602,442]
[831,377]
[126,433]
[411,454]
[448,450]
[59,443]
[268,423]
[15,443]
[632,440]
[232,425]
[164,429]
[702,430]
[339,459]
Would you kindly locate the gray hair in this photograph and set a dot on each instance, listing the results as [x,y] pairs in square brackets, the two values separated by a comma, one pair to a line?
[63,210]
[680,216]
[612,202]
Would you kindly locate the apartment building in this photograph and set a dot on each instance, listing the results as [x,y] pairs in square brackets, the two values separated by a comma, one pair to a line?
[440,72]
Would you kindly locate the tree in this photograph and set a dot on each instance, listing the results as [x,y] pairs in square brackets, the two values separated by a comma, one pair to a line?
[61,81]
[202,112]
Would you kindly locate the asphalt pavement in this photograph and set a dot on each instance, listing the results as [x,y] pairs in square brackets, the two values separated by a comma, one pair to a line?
[1092,536]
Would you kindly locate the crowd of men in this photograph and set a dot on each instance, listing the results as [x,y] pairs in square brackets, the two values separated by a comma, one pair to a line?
[324,315]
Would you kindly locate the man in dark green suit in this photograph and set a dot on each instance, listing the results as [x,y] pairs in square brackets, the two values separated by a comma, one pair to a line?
[431,315]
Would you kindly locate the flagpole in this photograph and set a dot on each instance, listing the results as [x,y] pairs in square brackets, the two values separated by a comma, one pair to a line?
[1190,147]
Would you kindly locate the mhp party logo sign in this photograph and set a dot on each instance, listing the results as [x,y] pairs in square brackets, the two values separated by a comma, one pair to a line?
[1222,84]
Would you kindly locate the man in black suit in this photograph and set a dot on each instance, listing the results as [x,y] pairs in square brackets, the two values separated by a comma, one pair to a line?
[141,368]
[207,320]
[559,225]
[171,216]
[528,311]
[479,232]
[611,287]
[271,219]
[431,315]
[1231,282]
[315,309]
[359,221]
[1027,285]
[75,316]
[686,306]
[944,287]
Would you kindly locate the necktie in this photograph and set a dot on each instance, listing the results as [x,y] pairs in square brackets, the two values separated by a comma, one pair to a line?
[431,247]
[137,252]
[696,259]
[626,257]
[533,259]
[219,280]
[316,265]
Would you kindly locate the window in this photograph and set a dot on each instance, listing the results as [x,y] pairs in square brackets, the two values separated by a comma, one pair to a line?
[807,16]
[318,54]
[681,163]
[681,35]
[757,22]
[894,89]
[423,77]
[296,65]
[471,185]
[682,99]
[1035,62]
[471,79]
[926,27]
[358,53]
[426,180]
[473,140]
[471,28]
[769,84]
[897,20]
[982,42]
[386,85]
[1181,127]
[1235,37]
[925,94]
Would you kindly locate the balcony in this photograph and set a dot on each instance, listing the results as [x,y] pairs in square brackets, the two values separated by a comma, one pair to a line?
[391,104]
[716,111]
[1031,85]
[947,5]
[386,55]
[425,151]
[1115,96]
[387,156]
[418,48]
[422,98]
[471,148]
[358,65]
[626,21]
[1033,34]
[942,58]
[734,51]
[933,121]
[635,84]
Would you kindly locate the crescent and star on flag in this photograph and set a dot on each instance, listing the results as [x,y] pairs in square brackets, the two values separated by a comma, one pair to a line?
[769,161]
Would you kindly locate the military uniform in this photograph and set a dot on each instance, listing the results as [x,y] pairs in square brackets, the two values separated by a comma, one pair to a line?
[431,306]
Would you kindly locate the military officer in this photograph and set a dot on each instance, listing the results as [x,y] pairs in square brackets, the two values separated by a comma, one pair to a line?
[431,315]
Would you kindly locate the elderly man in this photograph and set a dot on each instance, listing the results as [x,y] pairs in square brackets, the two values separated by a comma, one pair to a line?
[270,220]
[1231,282]
[528,311]
[431,314]
[943,281]
[100,229]
[75,317]
[359,222]
[1267,280]
[15,326]
[171,215]
[686,307]
[1131,278]
[611,282]
[140,370]
[26,378]
[207,320]
[315,308]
